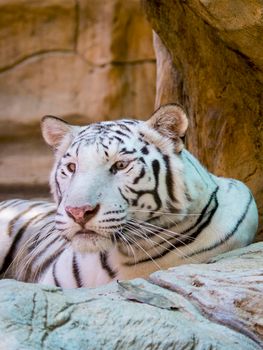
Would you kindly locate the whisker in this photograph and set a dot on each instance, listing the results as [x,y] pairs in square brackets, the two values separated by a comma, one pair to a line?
[138,245]
[128,245]
[138,233]
[172,245]
[165,212]
[40,266]
[26,261]
[18,255]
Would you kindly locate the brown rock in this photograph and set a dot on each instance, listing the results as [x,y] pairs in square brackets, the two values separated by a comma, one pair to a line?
[114,31]
[82,60]
[215,69]
[28,28]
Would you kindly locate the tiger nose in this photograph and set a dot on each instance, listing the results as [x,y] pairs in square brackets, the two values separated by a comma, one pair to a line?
[81,215]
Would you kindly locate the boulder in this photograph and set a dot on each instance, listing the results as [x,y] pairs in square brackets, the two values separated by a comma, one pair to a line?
[206,306]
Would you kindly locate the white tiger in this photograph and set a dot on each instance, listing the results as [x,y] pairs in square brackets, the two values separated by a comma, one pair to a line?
[129,200]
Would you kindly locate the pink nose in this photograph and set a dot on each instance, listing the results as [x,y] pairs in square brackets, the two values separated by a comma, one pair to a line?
[81,215]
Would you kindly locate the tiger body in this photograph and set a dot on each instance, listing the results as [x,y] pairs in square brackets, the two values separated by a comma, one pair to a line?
[129,200]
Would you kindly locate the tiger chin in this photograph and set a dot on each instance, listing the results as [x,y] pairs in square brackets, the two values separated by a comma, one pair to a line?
[129,200]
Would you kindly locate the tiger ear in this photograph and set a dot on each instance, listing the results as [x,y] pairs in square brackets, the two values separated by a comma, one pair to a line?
[54,130]
[170,120]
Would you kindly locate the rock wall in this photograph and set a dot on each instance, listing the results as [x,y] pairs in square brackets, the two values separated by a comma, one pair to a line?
[210,59]
[80,59]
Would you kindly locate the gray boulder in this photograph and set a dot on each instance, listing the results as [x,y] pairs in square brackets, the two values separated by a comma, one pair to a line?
[205,306]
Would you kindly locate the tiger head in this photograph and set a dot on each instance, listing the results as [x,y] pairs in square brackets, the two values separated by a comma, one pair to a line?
[112,176]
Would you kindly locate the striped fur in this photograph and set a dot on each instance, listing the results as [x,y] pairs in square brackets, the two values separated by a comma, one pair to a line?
[157,206]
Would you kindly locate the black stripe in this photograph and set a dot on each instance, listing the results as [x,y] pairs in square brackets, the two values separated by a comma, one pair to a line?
[121,133]
[125,151]
[217,244]
[141,175]
[77,149]
[119,139]
[129,170]
[106,266]
[83,131]
[124,127]
[45,215]
[186,240]
[156,171]
[228,235]
[57,284]
[132,122]
[153,192]
[37,239]
[142,160]
[126,199]
[203,212]
[196,233]
[10,203]
[75,271]
[10,254]
[45,247]
[47,263]
[113,219]
[58,190]
[169,178]
[17,217]
[114,212]
[56,238]
[60,222]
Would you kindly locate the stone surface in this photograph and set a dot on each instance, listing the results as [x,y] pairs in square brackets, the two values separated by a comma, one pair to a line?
[210,60]
[28,28]
[82,60]
[208,306]
[34,317]
[228,291]
[115,31]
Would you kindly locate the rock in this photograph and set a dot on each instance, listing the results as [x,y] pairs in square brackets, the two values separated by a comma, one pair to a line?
[114,31]
[210,60]
[28,29]
[37,317]
[143,315]
[80,60]
[229,290]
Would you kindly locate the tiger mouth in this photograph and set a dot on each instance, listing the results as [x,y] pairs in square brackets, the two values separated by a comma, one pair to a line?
[88,234]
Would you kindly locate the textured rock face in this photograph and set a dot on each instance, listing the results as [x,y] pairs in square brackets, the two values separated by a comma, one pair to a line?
[210,59]
[189,307]
[79,59]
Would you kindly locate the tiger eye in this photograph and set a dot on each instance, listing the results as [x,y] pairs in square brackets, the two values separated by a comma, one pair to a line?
[71,167]
[121,165]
